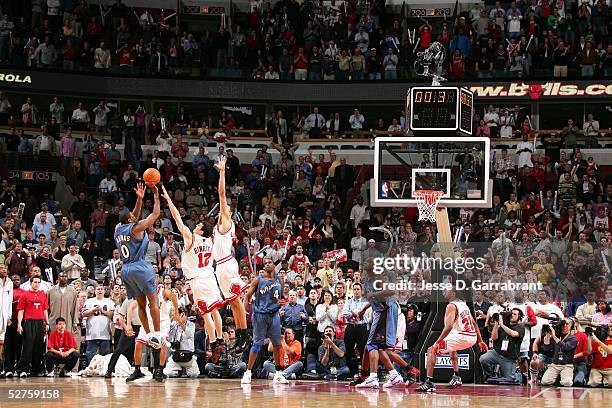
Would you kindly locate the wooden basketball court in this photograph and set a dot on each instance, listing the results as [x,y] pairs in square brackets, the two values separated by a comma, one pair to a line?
[207,393]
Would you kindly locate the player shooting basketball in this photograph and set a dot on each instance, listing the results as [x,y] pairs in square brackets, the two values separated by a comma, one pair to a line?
[227,267]
[460,333]
[136,273]
[197,265]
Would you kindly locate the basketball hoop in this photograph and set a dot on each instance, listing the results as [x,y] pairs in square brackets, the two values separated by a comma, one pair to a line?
[427,201]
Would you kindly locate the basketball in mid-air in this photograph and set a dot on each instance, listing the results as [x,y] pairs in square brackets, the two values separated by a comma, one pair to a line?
[151,176]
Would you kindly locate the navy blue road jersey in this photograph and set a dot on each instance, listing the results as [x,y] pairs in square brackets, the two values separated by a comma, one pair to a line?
[131,249]
[267,295]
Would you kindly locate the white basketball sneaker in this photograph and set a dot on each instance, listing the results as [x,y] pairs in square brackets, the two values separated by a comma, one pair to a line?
[370,382]
[279,378]
[246,378]
[393,380]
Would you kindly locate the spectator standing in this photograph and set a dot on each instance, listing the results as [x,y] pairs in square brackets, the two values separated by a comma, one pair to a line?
[98,312]
[32,324]
[358,245]
[356,121]
[72,263]
[300,65]
[18,261]
[293,316]
[56,109]
[102,57]
[6,299]
[101,117]
[326,312]
[390,65]
[63,303]
[29,113]
[356,333]
[491,118]
[68,149]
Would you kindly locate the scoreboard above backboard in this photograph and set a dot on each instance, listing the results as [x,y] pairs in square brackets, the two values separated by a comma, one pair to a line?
[439,108]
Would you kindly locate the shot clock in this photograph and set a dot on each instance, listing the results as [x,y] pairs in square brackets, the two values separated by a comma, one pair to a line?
[436,108]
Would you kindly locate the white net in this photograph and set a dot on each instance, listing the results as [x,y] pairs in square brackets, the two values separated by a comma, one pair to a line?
[427,201]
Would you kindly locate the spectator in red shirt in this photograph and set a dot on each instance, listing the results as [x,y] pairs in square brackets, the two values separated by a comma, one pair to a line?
[62,348]
[32,324]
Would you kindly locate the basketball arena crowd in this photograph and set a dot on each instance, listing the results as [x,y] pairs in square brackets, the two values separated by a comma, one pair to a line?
[312,40]
[550,220]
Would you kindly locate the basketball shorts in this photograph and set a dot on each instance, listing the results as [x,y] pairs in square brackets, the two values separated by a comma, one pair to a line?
[383,332]
[229,280]
[164,329]
[139,278]
[456,341]
[266,325]
[206,293]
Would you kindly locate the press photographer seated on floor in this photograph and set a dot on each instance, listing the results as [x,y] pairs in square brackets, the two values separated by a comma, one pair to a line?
[230,365]
[182,341]
[562,365]
[331,363]
[506,334]
[601,350]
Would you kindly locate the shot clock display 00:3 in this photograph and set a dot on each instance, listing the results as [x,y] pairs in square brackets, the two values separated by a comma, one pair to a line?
[440,109]
[434,108]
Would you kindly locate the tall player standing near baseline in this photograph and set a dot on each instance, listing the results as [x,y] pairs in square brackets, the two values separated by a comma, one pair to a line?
[197,265]
[136,273]
[460,333]
[266,319]
[227,269]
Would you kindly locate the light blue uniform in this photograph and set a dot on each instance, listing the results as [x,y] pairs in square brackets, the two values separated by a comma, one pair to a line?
[138,276]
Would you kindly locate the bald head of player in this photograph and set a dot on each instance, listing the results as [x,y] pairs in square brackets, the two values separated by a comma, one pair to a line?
[451,293]
[128,218]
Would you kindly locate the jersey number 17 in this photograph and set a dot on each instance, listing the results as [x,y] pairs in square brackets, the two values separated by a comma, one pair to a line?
[204,258]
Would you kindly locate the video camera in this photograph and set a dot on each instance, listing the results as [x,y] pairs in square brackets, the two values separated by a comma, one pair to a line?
[601,331]
[505,314]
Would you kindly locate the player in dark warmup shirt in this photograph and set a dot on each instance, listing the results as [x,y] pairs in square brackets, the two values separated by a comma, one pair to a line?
[138,276]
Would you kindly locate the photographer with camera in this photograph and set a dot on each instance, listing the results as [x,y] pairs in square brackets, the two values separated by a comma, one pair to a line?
[601,369]
[230,365]
[182,342]
[331,363]
[507,336]
[543,350]
[563,358]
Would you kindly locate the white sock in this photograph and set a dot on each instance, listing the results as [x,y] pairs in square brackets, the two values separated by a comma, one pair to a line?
[393,372]
[373,375]
[247,371]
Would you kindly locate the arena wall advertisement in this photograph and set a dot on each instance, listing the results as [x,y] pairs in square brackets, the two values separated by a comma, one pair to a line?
[222,90]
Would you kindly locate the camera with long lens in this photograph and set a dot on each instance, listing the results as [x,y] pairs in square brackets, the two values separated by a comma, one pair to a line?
[505,314]
[601,331]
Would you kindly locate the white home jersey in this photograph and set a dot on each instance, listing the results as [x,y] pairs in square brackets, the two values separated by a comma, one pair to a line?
[197,259]
[222,244]
[464,322]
